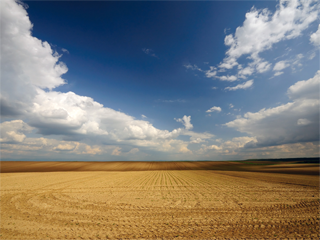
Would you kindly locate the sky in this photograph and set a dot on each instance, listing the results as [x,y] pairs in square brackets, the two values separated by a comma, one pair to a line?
[159,80]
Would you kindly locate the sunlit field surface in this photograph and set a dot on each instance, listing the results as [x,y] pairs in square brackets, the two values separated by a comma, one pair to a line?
[185,204]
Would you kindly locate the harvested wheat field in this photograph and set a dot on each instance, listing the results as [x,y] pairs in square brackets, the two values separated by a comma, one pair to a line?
[159,204]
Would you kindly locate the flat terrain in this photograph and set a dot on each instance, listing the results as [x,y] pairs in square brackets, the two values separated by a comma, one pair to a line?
[281,166]
[160,204]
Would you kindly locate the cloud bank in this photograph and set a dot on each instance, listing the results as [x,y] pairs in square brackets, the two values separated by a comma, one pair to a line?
[294,122]
[31,71]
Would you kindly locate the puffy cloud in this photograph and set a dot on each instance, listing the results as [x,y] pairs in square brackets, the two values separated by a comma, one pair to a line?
[31,69]
[186,121]
[245,71]
[26,62]
[262,29]
[65,147]
[241,86]
[212,72]
[315,37]
[214,108]
[307,89]
[229,147]
[293,122]
[14,131]
[14,139]
[280,65]
[196,140]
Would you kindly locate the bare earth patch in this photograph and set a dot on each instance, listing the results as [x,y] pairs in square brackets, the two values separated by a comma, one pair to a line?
[186,204]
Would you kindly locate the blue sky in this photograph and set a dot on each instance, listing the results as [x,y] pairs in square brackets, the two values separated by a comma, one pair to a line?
[218,80]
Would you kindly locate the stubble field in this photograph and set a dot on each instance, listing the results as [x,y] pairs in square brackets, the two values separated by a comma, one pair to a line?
[159,204]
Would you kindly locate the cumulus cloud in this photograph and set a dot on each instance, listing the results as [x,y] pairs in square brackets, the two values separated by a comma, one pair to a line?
[293,122]
[186,121]
[307,89]
[214,108]
[241,86]
[27,63]
[229,147]
[315,37]
[262,29]
[30,72]
[212,72]
[246,71]
[65,147]
[14,140]
[14,131]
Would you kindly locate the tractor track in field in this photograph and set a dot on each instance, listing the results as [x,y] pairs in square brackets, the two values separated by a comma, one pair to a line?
[159,205]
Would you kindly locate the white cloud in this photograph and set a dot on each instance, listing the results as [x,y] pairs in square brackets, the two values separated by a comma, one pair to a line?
[65,147]
[196,140]
[241,86]
[13,138]
[280,125]
[30,72]
[262,29]
[214,108]
[245,71]
[14,131]
[231,105]
[212,72]
[307,89]
[262,66]
[27,63]
[315,37]
[186,121]
[280,65]
[230,147]
[231,78]
[143,116]
[277,74]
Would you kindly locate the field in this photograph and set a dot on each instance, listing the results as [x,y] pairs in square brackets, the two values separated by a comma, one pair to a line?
[251,201]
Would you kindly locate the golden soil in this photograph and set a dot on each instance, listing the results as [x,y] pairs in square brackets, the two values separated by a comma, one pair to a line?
[166,204]
[255,166]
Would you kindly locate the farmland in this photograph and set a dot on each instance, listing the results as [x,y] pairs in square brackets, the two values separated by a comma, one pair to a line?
[160,204]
